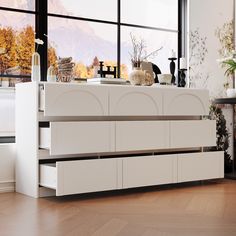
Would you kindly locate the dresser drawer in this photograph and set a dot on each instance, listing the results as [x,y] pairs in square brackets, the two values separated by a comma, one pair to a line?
[142,135]
[73,100]
[187,134]
[185,102]
[200,166]
[149,170]
[135,101]
[77,137]
[83,176]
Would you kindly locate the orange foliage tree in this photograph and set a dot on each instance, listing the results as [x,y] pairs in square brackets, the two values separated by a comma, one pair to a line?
[25,49]
[8,43]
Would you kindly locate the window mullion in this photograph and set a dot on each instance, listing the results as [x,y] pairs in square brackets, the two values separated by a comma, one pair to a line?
[41,24]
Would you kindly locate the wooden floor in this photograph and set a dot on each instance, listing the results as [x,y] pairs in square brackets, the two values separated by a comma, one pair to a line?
[207,209]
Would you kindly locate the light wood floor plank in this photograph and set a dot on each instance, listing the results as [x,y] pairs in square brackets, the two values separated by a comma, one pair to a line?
[207,209]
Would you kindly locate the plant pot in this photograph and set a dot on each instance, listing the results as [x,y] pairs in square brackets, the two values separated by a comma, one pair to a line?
[137,76]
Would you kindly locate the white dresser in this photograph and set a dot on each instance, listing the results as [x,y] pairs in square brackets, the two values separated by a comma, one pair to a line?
[78,138]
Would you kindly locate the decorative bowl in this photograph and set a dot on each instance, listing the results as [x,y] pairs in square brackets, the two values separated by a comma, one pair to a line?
[164,78]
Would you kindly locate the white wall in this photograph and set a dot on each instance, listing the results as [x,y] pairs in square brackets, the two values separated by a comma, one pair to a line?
[7,167]
[205,16]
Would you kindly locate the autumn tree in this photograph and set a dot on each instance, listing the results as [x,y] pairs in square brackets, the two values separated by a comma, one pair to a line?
[25,49]
[80,70]
[124,71]
[52,56]
[8,43]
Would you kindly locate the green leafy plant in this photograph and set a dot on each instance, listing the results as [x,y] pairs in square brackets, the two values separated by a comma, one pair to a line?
[222,134]
[230,66]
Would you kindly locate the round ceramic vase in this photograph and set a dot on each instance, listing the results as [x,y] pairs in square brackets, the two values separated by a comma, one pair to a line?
[136,76]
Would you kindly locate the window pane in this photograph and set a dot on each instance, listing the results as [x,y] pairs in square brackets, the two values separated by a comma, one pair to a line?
[16,42]
[155,13]
[153,39]
[84,41]
[19,4]
[102,9]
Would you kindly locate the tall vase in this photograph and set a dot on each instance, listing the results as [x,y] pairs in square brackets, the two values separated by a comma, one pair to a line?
[35,70]
[137,76]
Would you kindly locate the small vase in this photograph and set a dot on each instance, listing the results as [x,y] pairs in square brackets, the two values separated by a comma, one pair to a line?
[35,70]
[137,76]
[51,74]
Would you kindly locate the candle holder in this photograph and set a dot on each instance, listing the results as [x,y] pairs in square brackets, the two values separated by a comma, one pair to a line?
[182,77]
[172,68]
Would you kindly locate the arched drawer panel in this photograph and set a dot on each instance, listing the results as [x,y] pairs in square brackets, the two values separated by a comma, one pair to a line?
[74,100]
[185,102]
[135,101]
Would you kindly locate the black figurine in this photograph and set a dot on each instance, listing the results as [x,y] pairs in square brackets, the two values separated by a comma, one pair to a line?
[172,68]
[182,78]
[103,73]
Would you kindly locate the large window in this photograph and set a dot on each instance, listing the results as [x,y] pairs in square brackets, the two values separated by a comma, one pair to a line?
[86,30]
[91,30]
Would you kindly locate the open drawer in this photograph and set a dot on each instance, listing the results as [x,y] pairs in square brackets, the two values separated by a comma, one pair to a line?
[80,176]
[200,166]
[58,99]
[63,138]
[149,170]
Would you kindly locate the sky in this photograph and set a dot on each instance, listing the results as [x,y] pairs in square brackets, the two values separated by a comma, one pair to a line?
[149,12]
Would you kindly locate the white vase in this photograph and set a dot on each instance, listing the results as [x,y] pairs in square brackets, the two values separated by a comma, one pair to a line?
[35,69]
[137,76]
[51,74]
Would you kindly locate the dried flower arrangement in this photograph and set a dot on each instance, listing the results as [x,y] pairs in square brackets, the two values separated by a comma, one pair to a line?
[139,53]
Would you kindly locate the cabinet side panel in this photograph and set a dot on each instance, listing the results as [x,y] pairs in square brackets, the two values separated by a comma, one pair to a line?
[27,139]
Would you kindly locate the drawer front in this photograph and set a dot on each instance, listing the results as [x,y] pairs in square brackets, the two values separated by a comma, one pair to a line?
[200,166]
[187,134]
[149,170]
[79,137]
[74,177]
[74,100]
[185,102]
[135,101]
[142,135]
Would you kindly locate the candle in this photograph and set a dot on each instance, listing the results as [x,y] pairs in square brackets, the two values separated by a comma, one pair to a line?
[182,63]
[173,54]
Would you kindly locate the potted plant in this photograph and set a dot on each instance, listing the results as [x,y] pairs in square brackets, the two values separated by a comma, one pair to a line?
[222,134]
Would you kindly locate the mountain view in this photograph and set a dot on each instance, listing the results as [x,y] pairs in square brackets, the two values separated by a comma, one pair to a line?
[86,41]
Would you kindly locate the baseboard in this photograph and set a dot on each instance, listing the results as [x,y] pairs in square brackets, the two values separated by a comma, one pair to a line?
[6,187]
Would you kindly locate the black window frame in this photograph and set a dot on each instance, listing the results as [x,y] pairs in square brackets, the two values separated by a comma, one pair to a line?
[41,29]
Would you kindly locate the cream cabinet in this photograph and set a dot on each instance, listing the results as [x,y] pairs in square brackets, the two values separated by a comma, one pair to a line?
[141,135]
[78,138]
[149,170]
[71,100]
[143,101]
[195,133]
[70,177]
[185,102]
[200,166]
